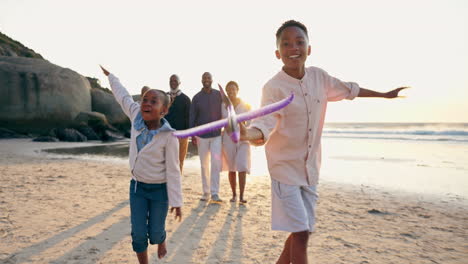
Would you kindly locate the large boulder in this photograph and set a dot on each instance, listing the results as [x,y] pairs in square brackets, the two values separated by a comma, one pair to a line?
[95,121]
[98,123]
[92,118]
[36,95]
[103,101]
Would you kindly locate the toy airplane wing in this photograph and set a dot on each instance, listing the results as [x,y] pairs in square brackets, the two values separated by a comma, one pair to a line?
[265,110]
[199,130]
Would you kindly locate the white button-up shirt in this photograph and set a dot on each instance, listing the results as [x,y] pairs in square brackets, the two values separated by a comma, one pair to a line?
[292,134]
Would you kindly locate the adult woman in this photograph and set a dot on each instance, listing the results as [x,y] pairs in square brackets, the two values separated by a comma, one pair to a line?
[236,156]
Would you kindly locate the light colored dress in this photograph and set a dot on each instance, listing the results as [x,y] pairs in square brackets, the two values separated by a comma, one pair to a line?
[236,157]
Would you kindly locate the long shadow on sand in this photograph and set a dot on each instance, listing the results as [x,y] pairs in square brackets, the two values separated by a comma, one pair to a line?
[25,254]
[220,246]
[106,240]
[236,247]
[185,240]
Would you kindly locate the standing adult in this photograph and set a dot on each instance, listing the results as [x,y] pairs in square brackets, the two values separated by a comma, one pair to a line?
[206,108]
[178,115]
[236,155]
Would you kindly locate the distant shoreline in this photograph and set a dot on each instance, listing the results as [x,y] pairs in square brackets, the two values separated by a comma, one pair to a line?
[389,165]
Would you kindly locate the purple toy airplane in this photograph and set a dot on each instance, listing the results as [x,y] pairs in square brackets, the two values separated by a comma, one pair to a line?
[232,120]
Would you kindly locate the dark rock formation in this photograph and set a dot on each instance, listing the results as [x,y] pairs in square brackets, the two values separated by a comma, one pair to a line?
[98,123]
[88,132]
[7,133]
[92,119]
[103,101]
[46,139]
[36,95]
[67,134]
[109,135]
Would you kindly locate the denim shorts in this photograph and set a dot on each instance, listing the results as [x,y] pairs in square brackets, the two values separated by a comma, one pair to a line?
[148,210]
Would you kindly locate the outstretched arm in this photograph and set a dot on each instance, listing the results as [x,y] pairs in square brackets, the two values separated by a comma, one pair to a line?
[370,93]
[121,94]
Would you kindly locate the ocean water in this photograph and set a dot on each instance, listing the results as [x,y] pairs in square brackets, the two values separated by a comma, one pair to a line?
[451,132]
[426,158]
[422,158]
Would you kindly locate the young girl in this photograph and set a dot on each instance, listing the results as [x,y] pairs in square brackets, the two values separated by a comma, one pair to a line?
[154,164]
[237,156]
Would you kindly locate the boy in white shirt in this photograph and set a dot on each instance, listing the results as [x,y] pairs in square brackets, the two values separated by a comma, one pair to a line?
[292,136]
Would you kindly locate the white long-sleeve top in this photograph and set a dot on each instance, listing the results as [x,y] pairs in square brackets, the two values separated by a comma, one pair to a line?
[293,134]
[156,162]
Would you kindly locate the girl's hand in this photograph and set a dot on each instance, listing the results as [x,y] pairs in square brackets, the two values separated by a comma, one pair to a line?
[178,212]
[104,71]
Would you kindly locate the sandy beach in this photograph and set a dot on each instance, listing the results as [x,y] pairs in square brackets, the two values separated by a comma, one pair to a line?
[74,210]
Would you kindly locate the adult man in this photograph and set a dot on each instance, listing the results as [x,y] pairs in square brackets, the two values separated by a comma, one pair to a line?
[205,108]
[178,115]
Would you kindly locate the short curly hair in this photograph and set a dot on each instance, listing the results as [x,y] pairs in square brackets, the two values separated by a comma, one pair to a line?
[290,23]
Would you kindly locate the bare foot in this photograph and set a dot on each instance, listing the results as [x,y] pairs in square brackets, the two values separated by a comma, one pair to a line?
[205,197]
[162,251]
[233,199]
[242,201]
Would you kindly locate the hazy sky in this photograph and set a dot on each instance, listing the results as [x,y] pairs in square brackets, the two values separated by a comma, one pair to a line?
[378,44]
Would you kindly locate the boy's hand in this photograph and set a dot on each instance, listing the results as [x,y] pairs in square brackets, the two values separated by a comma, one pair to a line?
[104,71]
[253,135]
[194,141]
[178,212]
[394,93]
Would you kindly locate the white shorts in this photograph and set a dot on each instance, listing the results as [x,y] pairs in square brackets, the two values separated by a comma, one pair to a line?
[293,207]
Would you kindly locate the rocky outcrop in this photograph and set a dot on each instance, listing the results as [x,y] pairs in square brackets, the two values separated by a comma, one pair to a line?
[7,133]
[36,95]
[68,134]
[103,101]
[88,132]
[97,122]
[46,139]
[12,48]
[92,118]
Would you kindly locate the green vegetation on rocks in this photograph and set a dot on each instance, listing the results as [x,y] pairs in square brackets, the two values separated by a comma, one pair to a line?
[12,48]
